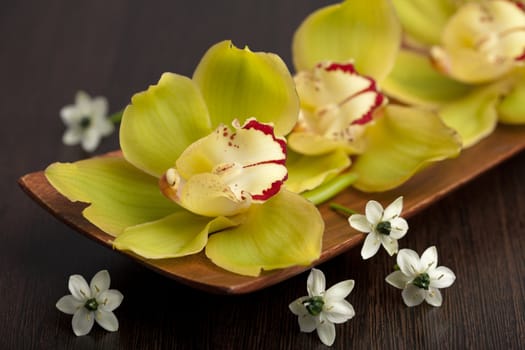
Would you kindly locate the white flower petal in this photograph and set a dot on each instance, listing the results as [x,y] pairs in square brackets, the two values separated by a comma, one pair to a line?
[413,295]
[100,282]
[79,287]
[429,259]
[398,227]
[307,323]
[297,307]
[441,277]
[90,140]
[72,136]
[99,107]
[394,209]
[408,262]
[326,332]
[316,283]
[398,279]
[107,320]
[105,127]
[339,291]
[374,212]
[83,103]
[433,297]
[390,244]
[109,300]
[338,312]
[68,304]
[360,223]
[83,321]
[371,246]
[69,115]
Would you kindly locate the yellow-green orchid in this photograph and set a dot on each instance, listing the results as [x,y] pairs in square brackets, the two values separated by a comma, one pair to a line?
[340,109]
[464,59]
[188,181]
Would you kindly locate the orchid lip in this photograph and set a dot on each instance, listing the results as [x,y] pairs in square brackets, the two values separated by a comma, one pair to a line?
[348,68]
[242,166]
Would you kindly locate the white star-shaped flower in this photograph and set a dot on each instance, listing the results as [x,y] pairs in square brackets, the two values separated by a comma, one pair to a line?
[321,309]
[420,279]
[384,227]
[86,121]
[88,304]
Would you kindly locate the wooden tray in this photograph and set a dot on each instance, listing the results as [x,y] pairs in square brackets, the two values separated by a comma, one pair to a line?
[197,271]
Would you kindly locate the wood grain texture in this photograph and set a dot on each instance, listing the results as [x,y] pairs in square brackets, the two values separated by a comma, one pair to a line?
[49,49]
[199,272]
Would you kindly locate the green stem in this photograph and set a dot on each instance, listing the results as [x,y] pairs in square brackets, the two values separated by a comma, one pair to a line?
[116,117]
[330,189]
[342,209]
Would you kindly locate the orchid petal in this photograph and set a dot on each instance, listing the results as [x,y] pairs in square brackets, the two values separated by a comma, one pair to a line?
[207,194]
[161,122]
[400,143]
[473,116]
[308,172]
[511,110]
[414,16]
[284,231]
[350,30]
[176,235]
[310,143]
[120,194]
[239,84]
[415,80]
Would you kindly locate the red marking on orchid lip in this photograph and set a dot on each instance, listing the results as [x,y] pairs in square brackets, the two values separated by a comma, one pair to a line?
[521,57]
[520,5]
[271,191]
[267,130]
[346,68]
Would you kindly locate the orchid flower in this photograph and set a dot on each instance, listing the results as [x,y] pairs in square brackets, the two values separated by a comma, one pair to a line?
[465,60]
[203,167]
[340,108]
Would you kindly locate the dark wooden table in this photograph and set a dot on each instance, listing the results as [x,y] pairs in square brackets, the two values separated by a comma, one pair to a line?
[50,49]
